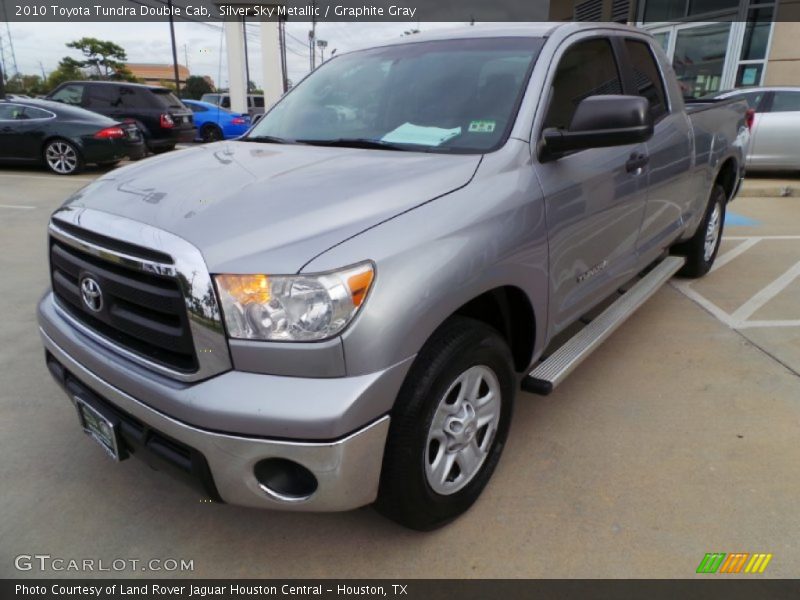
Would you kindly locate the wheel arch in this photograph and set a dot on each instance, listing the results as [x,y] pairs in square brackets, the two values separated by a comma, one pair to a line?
[727,176]
[508,310]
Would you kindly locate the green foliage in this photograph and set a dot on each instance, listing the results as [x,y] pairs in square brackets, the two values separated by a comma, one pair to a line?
[167,83]
[103,60]
[68,69]
[195,87]
[30,85]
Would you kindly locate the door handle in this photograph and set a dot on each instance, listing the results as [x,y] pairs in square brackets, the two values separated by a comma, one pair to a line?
[636,162]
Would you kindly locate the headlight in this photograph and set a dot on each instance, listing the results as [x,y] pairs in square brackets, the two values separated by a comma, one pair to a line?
[293,308]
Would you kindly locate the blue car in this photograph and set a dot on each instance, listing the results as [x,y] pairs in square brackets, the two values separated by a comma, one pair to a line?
[215,123]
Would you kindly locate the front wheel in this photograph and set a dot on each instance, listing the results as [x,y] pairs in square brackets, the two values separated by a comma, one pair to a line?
[701,249]
[62,157]
[449,426]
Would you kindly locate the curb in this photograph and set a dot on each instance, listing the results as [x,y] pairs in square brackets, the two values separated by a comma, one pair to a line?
[769,191]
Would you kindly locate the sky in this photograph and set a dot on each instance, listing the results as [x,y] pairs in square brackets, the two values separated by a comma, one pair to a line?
[40,46]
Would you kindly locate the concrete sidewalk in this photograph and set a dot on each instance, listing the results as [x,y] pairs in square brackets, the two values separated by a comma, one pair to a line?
[761,186]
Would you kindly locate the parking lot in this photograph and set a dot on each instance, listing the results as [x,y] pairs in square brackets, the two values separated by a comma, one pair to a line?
[677,438]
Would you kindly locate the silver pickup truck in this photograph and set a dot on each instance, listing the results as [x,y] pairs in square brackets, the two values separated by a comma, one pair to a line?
[339,308]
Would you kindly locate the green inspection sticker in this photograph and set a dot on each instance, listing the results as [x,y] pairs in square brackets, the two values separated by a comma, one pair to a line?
[481,127]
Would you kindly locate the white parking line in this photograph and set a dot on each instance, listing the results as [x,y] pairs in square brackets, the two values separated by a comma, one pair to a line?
[761,237]
[17,207]
[765,295]
[731,254]
[739,318]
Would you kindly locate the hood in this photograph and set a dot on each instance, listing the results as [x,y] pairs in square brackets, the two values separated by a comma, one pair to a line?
[270,208]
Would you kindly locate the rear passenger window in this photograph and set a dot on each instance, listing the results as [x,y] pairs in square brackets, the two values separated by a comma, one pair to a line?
[102,96]
[786,102]
[646,77]
[586,69]
[37,113]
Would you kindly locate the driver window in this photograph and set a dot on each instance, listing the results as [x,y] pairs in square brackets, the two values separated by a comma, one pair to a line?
[70,94]
[588,68]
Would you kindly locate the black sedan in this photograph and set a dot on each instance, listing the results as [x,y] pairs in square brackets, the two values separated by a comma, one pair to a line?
[64,138]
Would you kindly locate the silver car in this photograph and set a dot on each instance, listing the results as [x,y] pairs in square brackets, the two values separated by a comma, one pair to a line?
[775,135]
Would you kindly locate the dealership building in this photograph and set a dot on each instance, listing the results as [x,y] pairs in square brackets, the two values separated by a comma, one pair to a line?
[713,44]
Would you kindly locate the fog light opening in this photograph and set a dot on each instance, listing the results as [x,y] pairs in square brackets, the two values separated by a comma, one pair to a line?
[285,480]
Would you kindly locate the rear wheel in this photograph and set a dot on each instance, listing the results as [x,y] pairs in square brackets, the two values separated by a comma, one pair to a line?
[449,426]
[62,157]
[210,133]
[701,250]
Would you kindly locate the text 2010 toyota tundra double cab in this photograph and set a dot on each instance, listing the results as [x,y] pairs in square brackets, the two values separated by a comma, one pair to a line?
[339,308]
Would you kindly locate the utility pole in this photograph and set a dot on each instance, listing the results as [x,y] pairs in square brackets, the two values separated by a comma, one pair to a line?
[312,38]
[186,55]
[322,45]
[246,58]
[282,40]
[2,84]
[174,50]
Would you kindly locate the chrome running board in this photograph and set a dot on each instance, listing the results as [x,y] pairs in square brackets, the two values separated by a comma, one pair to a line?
[552,371]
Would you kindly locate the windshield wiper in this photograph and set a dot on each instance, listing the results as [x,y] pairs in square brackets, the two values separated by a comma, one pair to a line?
[266,139]
[355,143]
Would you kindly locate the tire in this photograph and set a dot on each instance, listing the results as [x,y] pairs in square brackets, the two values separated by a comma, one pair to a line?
[418,489]
[210,133]
[62,157]
[701,249]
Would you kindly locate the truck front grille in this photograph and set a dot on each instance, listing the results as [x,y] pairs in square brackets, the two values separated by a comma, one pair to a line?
[143,313]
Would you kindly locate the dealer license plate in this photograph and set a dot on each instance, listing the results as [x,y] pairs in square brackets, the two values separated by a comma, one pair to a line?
[100,428]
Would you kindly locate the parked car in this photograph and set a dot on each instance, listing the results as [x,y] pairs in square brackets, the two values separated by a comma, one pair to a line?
[339,308]
[216,123]
[162,117]
[255,102]
[63,138]
[775,137]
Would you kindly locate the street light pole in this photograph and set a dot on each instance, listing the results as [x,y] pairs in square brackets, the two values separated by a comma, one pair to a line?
[174,50]
[322,44]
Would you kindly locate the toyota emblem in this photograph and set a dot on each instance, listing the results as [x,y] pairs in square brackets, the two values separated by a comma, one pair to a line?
[91,294]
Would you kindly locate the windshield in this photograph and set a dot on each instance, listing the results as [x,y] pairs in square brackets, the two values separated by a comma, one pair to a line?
[440,96]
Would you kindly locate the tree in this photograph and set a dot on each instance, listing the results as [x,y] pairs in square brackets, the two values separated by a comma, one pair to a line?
[195,87]
[104,60]
[31,85]
[68,69]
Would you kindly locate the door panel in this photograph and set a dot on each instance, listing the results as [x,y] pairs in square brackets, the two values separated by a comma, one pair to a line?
[669,194]
[776,133]
[594,205]
[10,131]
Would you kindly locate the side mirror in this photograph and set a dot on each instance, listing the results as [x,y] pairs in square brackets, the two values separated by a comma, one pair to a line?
[601,121]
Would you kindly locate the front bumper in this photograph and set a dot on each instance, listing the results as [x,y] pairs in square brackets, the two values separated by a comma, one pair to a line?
[347,469]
